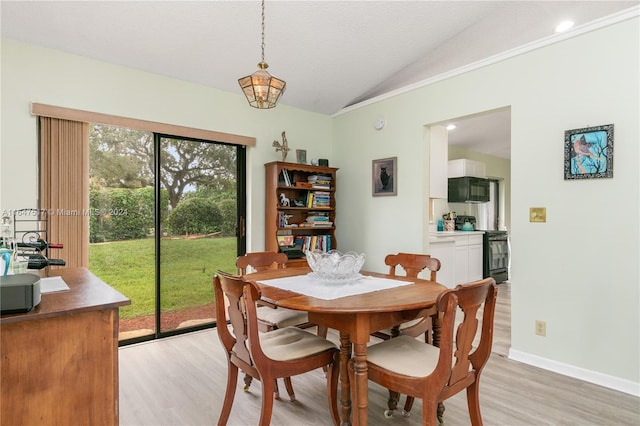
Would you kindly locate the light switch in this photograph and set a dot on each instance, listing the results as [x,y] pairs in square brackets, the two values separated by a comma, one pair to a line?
[537,214]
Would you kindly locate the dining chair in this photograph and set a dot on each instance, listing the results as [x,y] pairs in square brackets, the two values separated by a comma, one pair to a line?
[283,352]
[412,264]
[433,374]
[271,317]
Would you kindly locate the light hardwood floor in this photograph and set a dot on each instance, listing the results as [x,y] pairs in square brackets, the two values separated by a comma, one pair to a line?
[181,381]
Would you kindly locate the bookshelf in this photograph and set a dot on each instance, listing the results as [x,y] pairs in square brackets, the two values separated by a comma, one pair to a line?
[300,207]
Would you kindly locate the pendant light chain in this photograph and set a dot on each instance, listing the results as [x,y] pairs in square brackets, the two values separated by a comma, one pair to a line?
[262,31]
[261,89]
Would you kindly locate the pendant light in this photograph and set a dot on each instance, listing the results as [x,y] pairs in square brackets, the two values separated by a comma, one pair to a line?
[261,88]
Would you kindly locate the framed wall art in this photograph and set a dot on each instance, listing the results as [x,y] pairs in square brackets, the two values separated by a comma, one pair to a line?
[384,176]
[301,156]
[588,152]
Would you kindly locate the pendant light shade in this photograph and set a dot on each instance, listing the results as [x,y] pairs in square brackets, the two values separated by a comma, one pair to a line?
[261,88]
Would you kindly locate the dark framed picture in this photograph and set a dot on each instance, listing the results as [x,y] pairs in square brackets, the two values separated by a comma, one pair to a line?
[384,177]
[588,152]
[301,156]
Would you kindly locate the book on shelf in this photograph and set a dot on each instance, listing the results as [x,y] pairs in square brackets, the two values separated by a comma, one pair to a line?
[313,242]
[320,181]
[314,219]
[315,225]
[286,177]
[321,199]
[313,216]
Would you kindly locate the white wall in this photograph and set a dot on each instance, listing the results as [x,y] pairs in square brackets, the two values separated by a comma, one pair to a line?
[578,271]
[35,74]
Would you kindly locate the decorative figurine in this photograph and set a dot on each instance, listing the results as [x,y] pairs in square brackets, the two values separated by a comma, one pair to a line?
[282,147]
[284,201]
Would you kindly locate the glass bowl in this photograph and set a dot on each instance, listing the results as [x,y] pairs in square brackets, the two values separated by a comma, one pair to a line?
[334,266]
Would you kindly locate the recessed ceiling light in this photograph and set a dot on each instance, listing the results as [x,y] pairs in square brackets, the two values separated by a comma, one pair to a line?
[564,26]
[451,126]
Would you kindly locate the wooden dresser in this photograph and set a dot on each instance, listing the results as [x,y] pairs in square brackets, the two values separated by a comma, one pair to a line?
[60,361]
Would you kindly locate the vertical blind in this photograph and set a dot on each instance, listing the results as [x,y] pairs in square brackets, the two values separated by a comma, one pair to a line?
[64,187]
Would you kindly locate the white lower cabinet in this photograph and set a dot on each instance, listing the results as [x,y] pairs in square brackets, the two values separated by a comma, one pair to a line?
[475,260]
[460,255]
[444,249]
[462,261]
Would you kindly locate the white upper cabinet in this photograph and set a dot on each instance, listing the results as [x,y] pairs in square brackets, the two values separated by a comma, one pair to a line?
[464,167]
[438,156]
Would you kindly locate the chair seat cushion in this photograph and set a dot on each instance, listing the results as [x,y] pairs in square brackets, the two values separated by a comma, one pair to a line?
[285,344]
[404,355]
[282,317]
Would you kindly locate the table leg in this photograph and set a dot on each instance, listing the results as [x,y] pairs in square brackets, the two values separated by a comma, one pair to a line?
[345,389]
[361,384]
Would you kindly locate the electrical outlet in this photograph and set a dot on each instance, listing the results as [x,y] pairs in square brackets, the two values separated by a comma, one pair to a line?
[541,328]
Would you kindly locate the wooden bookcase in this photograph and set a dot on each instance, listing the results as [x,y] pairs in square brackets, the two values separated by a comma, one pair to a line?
[308,203]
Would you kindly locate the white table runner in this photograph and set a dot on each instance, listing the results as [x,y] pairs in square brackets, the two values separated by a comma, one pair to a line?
[309,286]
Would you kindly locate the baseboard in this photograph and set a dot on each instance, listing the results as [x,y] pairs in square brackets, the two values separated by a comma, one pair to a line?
[594,377]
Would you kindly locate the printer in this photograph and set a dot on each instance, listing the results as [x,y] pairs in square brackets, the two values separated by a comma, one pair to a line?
[19,293]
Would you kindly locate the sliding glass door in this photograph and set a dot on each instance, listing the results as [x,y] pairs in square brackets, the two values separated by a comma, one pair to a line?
[197,221]
[167,212]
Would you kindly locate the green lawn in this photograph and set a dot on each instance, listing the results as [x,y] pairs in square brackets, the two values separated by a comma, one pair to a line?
[186,271]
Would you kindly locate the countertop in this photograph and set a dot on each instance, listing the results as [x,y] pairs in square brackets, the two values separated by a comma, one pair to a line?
[87,293]
[443,236]
[453,233]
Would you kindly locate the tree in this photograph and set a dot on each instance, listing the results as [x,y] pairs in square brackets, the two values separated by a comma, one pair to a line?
[120,157]
[124,158]
[193,165]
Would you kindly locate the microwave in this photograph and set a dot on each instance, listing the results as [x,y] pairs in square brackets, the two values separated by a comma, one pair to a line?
[468,189]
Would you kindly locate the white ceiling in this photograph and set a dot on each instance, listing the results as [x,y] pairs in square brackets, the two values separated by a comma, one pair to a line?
[332,54]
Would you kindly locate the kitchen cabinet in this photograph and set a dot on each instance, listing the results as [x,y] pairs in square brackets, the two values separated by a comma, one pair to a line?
[444,249]
[468,258]
[460,255]
[475,260]
[463,167]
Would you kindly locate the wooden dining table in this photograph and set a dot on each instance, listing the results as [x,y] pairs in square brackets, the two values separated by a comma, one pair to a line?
[355,317]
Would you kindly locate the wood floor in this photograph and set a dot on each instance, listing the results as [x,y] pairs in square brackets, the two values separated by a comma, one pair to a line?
[181,381]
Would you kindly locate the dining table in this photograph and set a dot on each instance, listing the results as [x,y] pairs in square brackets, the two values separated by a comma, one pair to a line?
[375,302]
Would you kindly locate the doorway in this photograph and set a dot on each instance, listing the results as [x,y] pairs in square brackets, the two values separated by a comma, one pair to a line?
[486,137]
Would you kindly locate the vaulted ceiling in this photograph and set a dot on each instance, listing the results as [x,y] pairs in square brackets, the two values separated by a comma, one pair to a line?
[332,54]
